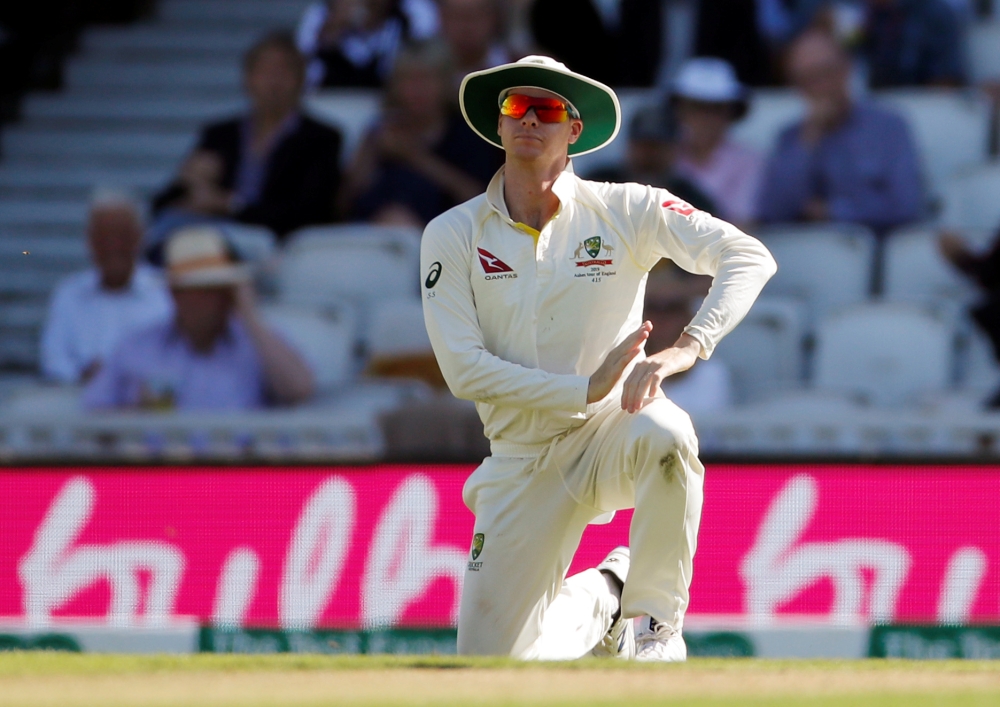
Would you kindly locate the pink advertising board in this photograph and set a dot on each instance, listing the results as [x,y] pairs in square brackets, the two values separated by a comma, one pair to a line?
[388,545]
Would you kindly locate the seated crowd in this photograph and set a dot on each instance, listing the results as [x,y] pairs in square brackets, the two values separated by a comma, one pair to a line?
[193,339]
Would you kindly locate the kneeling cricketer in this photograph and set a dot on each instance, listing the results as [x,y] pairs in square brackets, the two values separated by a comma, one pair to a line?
[533,297]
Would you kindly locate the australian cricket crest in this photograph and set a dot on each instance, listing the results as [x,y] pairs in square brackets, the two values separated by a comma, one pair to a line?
[586,254]
[477,547]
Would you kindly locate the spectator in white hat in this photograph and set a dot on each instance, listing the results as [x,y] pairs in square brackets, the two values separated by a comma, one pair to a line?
[215,353]
[708,99]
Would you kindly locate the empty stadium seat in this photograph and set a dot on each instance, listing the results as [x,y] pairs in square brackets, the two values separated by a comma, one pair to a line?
[972,198]
[950,127]
[327,265]
[977,367]
[886,353]
[916,272]
[324,339]
[771,111]
[352,111]
[631,100]
[764,353]
[42,400]
[984,51]
[396,327]
[826,266]
[252,243]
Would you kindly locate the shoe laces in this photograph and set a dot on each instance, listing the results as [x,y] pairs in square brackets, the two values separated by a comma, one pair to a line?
[658,632]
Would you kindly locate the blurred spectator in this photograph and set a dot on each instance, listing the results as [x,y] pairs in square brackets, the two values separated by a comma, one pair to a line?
[671,294]
[617,42]
[471,28]
[275,166]
[708,99]
[215,353]
[421,158]
[984,269]
[650,158]
[90,311]
[780,21]
[845,161]
[913,43]
[353,43]
[729,29]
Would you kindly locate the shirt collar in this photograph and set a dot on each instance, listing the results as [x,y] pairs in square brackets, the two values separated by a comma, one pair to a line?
[95,286]
[564,188]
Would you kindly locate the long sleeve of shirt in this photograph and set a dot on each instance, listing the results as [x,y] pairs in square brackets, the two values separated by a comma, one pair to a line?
[470,370]
[696,241]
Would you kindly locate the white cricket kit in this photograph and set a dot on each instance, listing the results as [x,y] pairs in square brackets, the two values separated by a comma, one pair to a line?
[519,320]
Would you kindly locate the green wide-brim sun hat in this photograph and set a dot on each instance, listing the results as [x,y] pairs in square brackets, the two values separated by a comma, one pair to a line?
[596,103]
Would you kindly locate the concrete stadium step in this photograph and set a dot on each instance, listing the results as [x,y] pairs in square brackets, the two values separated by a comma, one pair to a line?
[99,162]
[57,253]
[23,314]
[29,282]
[29,231]
[262,12]
[76,183]
[96,74]
[22,143]
[57,106]
[42,213]
[153,42]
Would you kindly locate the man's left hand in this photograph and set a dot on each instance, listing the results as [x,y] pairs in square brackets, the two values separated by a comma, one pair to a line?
[644,381]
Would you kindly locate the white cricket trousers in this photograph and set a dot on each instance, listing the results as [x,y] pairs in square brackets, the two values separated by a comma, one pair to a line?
[532,511]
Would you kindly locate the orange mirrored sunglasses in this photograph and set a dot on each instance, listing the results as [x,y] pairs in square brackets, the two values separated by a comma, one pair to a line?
[548,110]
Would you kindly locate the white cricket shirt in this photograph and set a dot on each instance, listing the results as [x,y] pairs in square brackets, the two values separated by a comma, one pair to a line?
[520,319]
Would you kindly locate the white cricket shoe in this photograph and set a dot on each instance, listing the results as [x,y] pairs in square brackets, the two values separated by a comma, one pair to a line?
[659,642]
[619,641]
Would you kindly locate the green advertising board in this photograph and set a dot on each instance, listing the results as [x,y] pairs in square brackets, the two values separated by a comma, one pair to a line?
[935,642]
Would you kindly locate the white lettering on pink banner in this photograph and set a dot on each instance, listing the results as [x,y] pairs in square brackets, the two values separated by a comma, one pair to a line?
[388,546]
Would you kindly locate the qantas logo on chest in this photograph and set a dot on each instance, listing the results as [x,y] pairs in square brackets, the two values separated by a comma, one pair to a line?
[495,268]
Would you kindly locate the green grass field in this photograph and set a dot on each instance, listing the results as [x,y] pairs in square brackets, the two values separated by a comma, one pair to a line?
[70,680]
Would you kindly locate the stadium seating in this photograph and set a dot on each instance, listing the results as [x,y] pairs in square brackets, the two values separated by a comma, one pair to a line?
[20,329]
[325,339]
[764,353]
[950,127]
[826,266]
[631,100]
[95,149]
[352,112]
[916,272]
[42,400]
[397,328]
[970,198]
[978,370]
[885,353]
[771,110]
[325,266]
[251,243]
[77,182]
[984,51]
